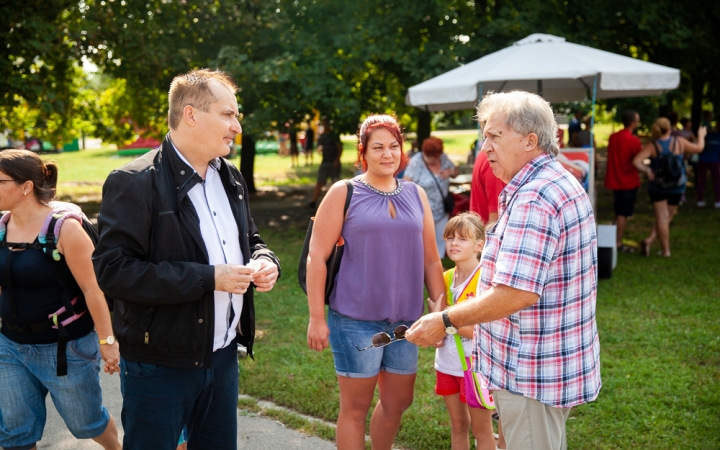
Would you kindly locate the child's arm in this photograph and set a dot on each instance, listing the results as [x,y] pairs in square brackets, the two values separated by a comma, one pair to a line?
[466,331]
[438,304]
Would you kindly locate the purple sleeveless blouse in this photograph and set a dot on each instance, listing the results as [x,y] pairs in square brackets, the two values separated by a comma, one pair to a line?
[382,271]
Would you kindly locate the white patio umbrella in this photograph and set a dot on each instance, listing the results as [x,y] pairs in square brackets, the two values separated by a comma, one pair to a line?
[547,65]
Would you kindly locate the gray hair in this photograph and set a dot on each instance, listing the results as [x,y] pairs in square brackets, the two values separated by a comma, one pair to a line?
[525,113]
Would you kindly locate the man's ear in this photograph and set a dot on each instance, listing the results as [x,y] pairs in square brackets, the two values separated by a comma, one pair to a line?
[532,142]
[189,115]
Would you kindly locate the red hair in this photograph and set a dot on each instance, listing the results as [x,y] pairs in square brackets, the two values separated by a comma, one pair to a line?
[432,146]
[371,124]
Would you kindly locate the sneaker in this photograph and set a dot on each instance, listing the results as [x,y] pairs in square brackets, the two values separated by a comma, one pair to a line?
[701,204]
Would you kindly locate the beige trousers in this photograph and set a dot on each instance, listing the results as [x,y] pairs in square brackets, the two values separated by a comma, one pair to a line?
[530,425]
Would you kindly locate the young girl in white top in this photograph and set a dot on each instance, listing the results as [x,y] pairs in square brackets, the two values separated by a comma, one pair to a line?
[465,237]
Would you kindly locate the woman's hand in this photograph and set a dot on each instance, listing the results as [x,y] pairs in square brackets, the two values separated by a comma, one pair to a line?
[650,174]
[446,173]
[317,335]
[111,355]
[702,132]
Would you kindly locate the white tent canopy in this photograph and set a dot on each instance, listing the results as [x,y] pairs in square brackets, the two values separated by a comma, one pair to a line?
[545,64]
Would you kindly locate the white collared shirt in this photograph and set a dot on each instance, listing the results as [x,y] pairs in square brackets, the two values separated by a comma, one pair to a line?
[221,237]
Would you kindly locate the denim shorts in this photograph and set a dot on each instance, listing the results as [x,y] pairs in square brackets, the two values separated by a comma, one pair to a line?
[29,371]
[345,333]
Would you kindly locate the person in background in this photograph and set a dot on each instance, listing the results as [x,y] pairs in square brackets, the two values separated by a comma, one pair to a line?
[582,137]
[664,200]
[621,176]
[686,130]
[414,150]
[293,149]
[389,254]
[282,144]
[687,133]
[709,161]
[34,352]
[309,144]
[574,127]
[330,147]
[485,189]
[431,170]
[536,346]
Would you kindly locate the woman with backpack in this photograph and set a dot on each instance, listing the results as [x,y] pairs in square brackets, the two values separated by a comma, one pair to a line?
[50,305]
[666,177]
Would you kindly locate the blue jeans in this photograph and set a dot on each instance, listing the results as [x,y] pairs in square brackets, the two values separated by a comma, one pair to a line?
[346,333]
[158,401]
[29,371]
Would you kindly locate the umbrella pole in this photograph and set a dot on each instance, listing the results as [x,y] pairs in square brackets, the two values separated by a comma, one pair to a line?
[591,155]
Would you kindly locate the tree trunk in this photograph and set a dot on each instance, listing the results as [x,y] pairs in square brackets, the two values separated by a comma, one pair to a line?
[247,162]
[423,126]
[498,6]
[698,86]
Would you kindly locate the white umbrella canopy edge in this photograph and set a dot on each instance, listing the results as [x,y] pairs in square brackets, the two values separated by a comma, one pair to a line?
[563,71]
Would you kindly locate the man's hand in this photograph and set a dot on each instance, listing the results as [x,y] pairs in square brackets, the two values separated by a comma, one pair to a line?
[427,331]
[265,275]
[233,278]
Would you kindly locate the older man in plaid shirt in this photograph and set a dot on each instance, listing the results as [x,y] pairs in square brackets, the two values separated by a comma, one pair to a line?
[536,345]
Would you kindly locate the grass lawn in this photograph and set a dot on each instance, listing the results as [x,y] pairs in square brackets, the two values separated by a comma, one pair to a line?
[659,334]
[658,321]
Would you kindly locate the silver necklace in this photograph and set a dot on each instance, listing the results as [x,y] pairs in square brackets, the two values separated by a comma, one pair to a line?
[384,193]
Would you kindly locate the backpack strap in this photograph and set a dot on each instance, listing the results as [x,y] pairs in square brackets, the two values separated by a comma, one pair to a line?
[50,232]
[657,148]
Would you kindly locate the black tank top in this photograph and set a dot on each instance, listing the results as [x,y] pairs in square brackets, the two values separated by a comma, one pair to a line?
[37,294]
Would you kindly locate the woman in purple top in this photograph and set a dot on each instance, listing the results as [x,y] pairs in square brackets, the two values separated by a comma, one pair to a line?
[389,252]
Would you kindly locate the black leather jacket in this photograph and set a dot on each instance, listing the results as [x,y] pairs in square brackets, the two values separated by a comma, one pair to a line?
[152,261]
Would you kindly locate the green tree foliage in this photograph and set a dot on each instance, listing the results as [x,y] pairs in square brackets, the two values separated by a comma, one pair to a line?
[37,70]
[292,57]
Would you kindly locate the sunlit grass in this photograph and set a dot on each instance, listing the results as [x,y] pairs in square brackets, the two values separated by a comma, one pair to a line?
[659,335]
[657,319]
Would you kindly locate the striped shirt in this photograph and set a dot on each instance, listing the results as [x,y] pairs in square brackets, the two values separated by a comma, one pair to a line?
[544,242]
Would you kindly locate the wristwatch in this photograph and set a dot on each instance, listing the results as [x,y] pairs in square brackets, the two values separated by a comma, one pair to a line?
[110,340]
[449,327]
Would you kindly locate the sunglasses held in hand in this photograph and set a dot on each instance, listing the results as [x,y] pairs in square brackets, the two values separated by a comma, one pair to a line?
[382,339]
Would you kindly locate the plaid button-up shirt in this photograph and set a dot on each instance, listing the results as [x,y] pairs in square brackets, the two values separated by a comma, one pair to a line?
[544,242]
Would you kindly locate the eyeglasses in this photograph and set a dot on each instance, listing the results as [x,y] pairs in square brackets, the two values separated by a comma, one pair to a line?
[382,339]
[5,181]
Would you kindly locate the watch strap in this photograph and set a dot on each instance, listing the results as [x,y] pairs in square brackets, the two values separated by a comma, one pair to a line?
[446,319]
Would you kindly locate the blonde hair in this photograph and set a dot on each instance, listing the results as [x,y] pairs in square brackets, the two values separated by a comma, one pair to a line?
[468,225]
[193,88]
[660,127]
[525,113]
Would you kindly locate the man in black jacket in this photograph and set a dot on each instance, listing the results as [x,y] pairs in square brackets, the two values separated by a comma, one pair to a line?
[178,252]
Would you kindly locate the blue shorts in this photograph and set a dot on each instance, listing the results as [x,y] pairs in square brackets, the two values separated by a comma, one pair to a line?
[345,333]
[29,371]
